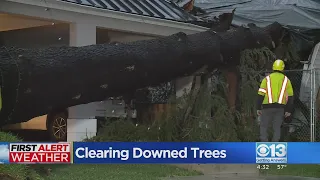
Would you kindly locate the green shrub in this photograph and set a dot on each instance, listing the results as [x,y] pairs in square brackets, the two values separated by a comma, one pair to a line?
[174,127]
[124,131]
[8,137]
[16,171]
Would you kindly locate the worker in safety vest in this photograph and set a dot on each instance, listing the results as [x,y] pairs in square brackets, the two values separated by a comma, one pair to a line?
[272,103]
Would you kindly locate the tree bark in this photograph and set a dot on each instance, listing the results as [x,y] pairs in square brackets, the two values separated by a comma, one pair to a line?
[35,81]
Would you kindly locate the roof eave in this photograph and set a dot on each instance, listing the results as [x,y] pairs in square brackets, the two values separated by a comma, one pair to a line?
[119,16]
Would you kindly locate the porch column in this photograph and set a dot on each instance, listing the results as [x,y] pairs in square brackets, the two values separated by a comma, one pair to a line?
[81,122]
[82,34]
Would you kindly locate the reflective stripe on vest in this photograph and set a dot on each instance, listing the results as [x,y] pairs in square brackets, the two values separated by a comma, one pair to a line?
[262,90]
[282,91]
[269,91]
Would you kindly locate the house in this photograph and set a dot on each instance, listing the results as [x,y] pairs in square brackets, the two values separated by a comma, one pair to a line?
[34,23]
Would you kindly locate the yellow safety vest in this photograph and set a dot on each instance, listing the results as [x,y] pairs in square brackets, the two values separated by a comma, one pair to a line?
[275,88]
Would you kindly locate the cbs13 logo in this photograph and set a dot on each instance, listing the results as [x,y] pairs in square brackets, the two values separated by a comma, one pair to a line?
[272,150]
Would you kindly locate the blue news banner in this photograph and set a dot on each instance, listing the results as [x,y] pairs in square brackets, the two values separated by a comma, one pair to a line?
[200,153]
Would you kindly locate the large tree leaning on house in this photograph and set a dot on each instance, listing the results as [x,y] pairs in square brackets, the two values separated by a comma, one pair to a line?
[37,80]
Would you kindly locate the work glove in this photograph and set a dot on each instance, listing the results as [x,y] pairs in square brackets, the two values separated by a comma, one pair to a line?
[287,114]
[288,119]
[259,112]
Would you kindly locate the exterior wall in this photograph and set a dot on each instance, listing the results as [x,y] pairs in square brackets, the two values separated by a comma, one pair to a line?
[116,36]
[35,37]
[13,22]
[37,123]
[58,35]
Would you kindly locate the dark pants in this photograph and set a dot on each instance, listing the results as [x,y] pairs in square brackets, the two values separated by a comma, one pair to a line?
[274,116]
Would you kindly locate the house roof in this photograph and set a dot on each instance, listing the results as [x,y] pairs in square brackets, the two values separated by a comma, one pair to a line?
[162,9]
[294,13]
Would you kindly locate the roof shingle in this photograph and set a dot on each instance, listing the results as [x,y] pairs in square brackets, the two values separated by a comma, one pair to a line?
[162,9]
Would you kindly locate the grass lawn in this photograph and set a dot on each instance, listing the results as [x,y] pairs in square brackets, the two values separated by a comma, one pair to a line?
[295,170]
[115,172]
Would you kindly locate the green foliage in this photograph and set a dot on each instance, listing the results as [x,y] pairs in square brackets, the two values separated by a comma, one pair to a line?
[8,137]
[225,125]
[16,171]
[125,131]
[172,126]
[291,55]
[221,127]
[288,52]
[294,170]
[118,172]
[253,66]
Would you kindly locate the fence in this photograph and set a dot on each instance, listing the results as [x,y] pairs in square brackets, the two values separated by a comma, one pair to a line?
[302,125]
[314,104]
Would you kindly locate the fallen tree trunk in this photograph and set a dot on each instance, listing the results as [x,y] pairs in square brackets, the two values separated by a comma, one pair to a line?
[35,81]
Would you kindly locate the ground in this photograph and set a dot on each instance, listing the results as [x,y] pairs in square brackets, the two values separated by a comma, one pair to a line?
[295,170]
[116,172]
[153,172]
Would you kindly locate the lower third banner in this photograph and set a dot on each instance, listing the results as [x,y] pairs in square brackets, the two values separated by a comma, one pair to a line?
[163,152]
[197,152]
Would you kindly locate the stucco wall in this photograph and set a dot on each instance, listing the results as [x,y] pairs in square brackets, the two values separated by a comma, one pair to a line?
[12,22]
[116,36]
[35,37]
[58,35]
